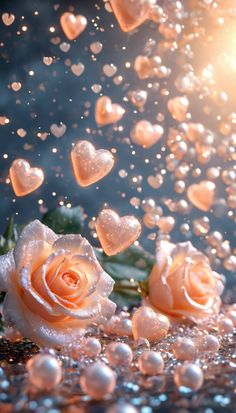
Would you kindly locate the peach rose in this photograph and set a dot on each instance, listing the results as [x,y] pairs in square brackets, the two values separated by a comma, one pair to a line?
[182,283]
[54,286]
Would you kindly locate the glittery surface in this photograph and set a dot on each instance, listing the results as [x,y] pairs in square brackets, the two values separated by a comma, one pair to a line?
[149,394]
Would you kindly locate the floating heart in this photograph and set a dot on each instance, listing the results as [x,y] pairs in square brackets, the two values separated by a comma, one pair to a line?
[155,182]
[90,165]
[146,134]
[65,47]
[16,86]
[202,195]
[58,131]
[130,13]
[107,112]
[8,19]
[47,60]
[25,179]
[115,233]
[149,324]
[96,47]
[77,69]
[178,107]
[109,70]
[72,25]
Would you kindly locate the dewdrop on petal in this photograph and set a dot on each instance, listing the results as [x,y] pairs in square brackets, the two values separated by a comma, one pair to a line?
[149,324]
[98,381]
[44,371]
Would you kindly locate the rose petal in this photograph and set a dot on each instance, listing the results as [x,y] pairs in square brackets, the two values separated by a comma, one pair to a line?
[7,268]
[32,326]
[75,244]
[160,294]
[32,233]
[163,258]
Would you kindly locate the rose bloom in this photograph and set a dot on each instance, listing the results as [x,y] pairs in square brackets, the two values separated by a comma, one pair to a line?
[182,283]
[54,286]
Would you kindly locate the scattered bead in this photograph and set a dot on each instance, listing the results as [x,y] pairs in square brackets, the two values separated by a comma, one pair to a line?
[151,363]
[189,376]
[209,343]
[184,348]
[44,371]
[91,346]
[119,354]
[98,381]
[226,326]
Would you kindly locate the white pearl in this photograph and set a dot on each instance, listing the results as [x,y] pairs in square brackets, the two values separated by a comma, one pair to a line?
[209,343]
[189,376]
[44,371]
[119,354]
[184,348]
[122,408]
[98,380]
[226,326]
[151,363]
[232,315]
[91,346]
[124,327]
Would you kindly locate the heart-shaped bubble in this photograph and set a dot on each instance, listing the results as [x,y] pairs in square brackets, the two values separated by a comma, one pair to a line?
[78,69]
[25,179]
[131,13]
[8,18]
[107,112]
[202,195]
[146,134]
[178,107]
[58,131]
[116,233]
[90,165]
[72,25]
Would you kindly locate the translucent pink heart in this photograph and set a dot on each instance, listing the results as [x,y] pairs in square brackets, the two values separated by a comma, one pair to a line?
[25,179]
[90,165]
[116,233]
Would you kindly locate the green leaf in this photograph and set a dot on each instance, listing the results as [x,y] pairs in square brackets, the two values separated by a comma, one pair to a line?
[134,263]
[130,270]
[65,220]
[123,271]
[9,238]
[125,299]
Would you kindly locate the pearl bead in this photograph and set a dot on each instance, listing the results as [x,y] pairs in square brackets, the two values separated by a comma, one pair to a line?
[209,343]
[124,328]
[184,348]
[232,315]
[189,375]
[149,324]
[226,326]
[121,408]
[151,363]
[119,354]
[44,371]
[98,380]
[91,346]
